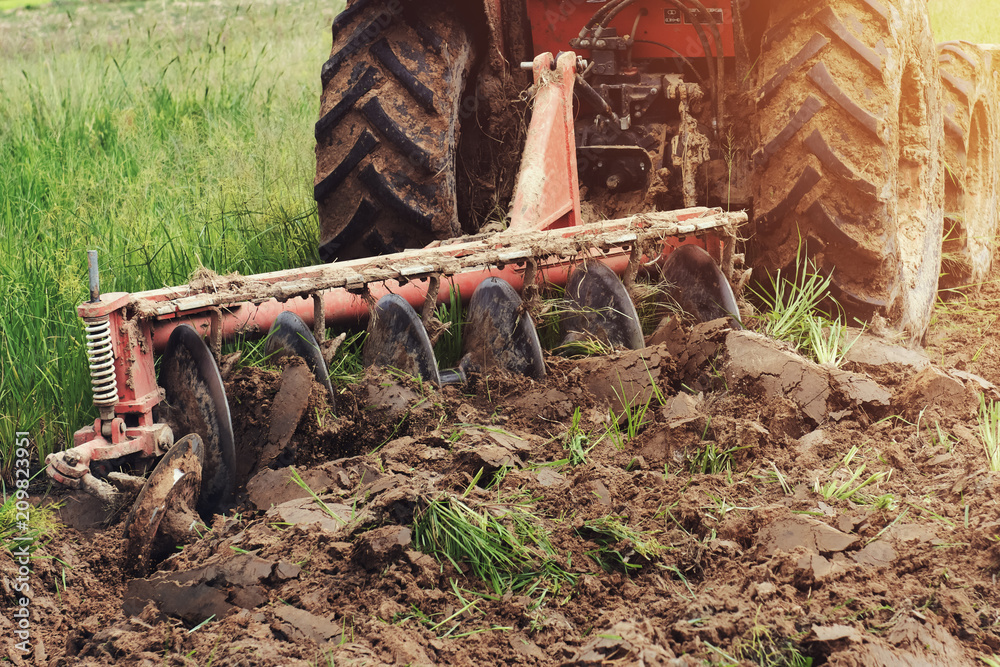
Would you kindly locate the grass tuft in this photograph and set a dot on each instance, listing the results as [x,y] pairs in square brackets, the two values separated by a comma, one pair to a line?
[792,312]
[448,348]
[42,524]
[762,647]
[989,431]
[621,547]
[507,559]
[578,442]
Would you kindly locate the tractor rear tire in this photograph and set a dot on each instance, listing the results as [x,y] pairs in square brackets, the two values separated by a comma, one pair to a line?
[971,144]
[387,137]
[848,169]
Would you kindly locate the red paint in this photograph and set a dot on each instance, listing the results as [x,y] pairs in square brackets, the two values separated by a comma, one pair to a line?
[555,22]
[548,185]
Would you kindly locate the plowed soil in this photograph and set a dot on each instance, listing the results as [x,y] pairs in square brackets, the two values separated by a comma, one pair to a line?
[751,540]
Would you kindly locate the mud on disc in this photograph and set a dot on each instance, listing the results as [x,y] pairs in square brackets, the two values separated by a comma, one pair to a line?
[500,333]
[196,403]
[173,487]
[603,308]
[289,334]
[397,339]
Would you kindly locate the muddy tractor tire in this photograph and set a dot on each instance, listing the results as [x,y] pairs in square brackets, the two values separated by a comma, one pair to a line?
[389,127]
[849,165]
[971,143]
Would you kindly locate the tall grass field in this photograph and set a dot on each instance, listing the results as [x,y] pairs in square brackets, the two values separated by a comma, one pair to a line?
[167,136]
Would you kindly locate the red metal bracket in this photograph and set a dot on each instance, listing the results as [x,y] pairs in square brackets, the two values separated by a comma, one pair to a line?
[548,185]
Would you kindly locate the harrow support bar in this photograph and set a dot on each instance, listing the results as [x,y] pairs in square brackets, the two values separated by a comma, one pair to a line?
[348,288]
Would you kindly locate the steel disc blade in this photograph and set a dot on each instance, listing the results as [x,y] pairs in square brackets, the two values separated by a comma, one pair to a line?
[602,307]
[174,484]
[700,287]
[289,334]
[196,403]
[397,339]
[500,334]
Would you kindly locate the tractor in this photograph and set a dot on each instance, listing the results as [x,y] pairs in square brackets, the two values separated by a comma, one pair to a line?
[492,147]
[827,120]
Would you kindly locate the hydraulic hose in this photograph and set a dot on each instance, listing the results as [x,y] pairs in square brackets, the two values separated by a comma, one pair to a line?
[599,15]
[635,29]
[721,63]
[715,61]
[610,16]
[706,47]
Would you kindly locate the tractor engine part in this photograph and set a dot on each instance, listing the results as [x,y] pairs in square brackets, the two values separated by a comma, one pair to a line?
[641,116]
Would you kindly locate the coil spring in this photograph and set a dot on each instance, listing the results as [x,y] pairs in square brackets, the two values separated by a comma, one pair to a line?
[101,356]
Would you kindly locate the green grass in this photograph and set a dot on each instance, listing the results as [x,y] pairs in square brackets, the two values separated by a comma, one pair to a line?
[621,548]
[39,523]
[794,310]
[579,443]
[516,558]
[989,431]
[16,4]
[165,136]
[448,348]
[971,20]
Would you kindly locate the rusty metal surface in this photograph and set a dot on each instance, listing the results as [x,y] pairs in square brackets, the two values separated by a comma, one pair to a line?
[196,403]
[554,248]
[172,488]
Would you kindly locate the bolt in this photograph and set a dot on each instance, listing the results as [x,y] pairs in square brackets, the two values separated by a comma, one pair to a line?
[654,91]
[638,114]
[614,182]
[601,43]
[585,43]
[164,438]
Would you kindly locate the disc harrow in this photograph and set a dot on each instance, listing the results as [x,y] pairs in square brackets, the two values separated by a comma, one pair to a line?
[396,297]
